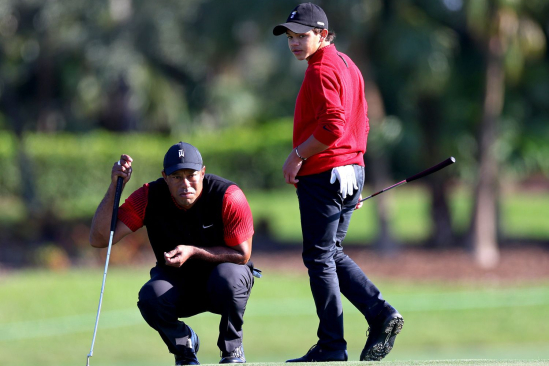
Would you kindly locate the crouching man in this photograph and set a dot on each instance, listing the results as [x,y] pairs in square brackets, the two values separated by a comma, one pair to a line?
[200,228]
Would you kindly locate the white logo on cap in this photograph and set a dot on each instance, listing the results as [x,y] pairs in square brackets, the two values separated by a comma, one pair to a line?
[320,23]
[293,14]
[181,153]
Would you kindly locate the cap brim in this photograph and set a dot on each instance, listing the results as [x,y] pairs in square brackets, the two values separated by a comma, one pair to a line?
[177,167]
[294,27]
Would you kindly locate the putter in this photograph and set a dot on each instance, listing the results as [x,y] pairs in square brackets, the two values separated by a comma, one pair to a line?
[426,172]
[113,226]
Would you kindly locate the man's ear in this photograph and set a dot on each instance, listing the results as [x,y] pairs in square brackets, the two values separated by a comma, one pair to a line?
[323,34]
[164,175]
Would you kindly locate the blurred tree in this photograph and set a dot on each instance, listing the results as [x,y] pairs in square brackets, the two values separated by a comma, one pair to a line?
[484,221]
[425,51]
[499,28]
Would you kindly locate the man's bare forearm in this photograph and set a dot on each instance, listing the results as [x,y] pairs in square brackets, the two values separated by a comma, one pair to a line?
[239,254]
[101,219]
[220,255]
[100,227]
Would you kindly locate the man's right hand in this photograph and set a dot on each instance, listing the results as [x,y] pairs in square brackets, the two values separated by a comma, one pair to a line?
[122,168]
[101,222]
[178,256]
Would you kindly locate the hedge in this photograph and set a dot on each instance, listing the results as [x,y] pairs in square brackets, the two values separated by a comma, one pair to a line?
[70,173]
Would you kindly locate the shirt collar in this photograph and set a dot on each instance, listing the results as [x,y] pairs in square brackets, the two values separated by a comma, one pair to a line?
[318,54]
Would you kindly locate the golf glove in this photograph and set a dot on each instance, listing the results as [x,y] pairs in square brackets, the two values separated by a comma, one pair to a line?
[347,179]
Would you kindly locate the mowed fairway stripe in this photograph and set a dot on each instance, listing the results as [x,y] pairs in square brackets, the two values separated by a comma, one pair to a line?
[68,324]
[467,362]
[482,299]
[485,299]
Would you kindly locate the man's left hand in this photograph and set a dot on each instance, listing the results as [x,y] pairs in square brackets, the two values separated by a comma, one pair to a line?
[178,256]
[359,204]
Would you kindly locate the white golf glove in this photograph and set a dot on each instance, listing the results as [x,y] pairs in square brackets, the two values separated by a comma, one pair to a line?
[347,179]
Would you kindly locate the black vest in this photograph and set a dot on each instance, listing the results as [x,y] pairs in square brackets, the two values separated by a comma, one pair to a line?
[169,226]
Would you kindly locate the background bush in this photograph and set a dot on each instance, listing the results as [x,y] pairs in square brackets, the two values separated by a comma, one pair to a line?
[70,173]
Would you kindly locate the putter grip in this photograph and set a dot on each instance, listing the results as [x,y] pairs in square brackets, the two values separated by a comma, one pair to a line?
[117,195]
[432,169]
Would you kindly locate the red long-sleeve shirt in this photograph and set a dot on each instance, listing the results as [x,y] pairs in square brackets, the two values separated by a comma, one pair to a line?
[236,213]
[332,107]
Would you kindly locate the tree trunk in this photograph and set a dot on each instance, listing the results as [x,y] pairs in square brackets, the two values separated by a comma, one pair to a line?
[430,118]
[118,115]
[27,192]
[484,225]
[378,163]
[45,75]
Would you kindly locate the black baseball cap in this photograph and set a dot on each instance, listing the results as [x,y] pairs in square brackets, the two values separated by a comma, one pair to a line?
[302,19]
[182,156]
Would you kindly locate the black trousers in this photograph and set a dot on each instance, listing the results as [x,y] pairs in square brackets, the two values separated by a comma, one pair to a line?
[222,289]
[325,218]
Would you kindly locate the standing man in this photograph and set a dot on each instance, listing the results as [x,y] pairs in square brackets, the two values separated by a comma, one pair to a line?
[200,228]
[327,167]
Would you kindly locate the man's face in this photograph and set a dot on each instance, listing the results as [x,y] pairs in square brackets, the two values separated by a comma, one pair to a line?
[185,185]
[303,45]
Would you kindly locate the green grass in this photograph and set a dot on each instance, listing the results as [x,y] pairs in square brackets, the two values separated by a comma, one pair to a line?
[435,362]
[48,319]
[524,214]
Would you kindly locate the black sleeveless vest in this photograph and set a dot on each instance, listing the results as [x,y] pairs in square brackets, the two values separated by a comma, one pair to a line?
[169,226]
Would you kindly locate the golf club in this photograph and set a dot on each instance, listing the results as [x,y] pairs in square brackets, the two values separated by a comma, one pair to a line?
[113,226]
[426,172]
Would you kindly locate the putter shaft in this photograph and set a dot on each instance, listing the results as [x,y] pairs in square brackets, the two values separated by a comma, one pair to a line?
[101,295]
[113,226]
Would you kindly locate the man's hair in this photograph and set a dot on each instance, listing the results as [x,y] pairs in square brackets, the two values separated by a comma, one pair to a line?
[330,37]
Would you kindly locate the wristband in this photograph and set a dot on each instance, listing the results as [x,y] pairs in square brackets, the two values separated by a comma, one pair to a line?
[299,156]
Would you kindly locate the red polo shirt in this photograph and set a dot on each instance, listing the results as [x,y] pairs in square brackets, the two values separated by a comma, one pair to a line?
[236,213]
[331,106]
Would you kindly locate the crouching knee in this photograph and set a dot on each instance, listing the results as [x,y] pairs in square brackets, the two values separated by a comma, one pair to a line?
[155,301]
[149,308]
[230,280]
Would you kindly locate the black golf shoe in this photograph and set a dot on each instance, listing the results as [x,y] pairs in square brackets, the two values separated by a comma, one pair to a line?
[236,356]
[381,335]
[317,354]
[191,348]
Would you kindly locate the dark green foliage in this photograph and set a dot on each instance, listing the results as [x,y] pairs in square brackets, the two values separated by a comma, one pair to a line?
[71,172]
